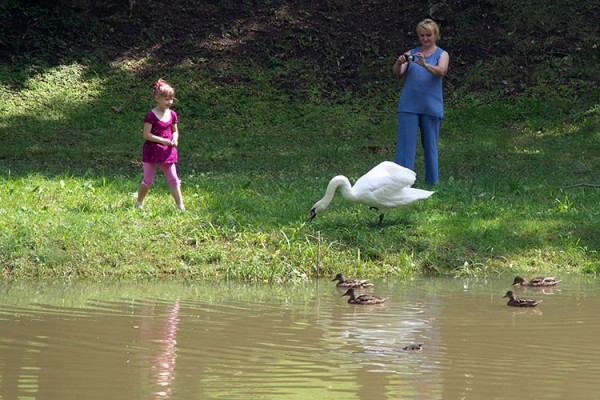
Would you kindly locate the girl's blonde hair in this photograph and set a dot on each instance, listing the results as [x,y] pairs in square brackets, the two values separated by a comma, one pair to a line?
[429,25]
[163,88]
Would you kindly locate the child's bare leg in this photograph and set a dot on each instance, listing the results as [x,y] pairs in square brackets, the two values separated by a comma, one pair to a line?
[142,192]
[174,183]
[176,191]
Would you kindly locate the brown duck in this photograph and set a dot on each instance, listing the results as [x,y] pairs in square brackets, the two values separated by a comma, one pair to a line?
[363,298]
[540,281]
[351,283]
[513,301]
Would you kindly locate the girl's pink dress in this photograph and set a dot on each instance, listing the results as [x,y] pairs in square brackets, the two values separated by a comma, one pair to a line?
[157,153]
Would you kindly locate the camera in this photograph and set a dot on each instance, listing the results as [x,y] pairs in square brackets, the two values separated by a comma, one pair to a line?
[412,58]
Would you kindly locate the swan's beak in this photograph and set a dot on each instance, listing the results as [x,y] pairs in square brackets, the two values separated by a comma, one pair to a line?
[312,216]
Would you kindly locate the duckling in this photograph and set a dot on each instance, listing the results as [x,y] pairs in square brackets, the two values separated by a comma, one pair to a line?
[351,283]
[512,301]
[413,347]
[363,298]
[540,281]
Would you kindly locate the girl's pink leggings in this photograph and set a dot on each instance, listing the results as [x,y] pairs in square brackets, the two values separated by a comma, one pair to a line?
[169,170]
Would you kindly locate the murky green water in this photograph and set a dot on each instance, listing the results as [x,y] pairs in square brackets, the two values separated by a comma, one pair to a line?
[189,341]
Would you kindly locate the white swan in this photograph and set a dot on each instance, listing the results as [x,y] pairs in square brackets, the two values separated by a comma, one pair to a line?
[387,185]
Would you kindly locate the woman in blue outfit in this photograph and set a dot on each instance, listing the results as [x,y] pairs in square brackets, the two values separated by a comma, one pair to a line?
[421,104]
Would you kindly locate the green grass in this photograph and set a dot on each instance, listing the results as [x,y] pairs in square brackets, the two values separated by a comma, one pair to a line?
[254,159]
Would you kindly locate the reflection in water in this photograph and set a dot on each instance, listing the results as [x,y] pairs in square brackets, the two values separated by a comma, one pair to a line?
[547,291]
[163,365]
[98,341]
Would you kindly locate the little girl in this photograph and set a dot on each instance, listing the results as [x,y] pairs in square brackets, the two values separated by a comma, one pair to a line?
[160,148]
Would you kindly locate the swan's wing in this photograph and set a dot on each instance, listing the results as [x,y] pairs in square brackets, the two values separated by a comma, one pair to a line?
[384,186]
[399,175]
[384,198]
[386,174]
[407,196]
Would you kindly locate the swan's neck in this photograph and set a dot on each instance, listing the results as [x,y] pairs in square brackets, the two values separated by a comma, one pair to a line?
[341,182]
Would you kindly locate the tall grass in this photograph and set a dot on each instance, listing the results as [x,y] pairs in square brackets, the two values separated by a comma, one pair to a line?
[254,159]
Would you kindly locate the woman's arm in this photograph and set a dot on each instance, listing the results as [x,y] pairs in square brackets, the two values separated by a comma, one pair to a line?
[438,70]
[400,66]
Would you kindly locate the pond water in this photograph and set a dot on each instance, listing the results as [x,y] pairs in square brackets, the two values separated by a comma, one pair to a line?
[235,341]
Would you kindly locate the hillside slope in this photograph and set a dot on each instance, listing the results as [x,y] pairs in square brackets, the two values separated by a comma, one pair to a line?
[502,46]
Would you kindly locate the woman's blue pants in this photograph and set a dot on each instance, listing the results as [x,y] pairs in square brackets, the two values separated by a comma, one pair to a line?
[406,149]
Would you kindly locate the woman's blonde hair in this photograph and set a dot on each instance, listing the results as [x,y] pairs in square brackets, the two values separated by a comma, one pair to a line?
[163,88]
[429,25]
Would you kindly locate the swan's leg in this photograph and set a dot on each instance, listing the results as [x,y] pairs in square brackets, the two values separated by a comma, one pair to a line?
[381,219]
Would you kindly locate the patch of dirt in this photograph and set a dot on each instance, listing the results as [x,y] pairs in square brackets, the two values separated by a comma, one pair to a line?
[351,44]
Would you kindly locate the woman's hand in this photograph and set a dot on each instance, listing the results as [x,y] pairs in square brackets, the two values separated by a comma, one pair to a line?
[400,66]
[438,70]
[403,59]
[420,59]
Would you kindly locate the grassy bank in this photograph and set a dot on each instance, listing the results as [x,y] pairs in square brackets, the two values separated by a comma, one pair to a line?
[253,161]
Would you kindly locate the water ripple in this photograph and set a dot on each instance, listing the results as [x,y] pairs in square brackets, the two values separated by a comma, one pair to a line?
[229,342]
